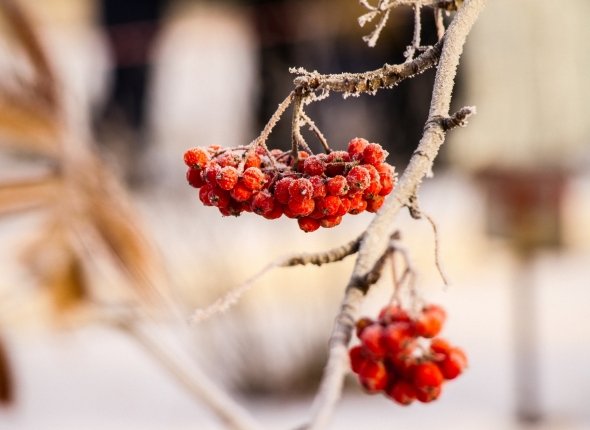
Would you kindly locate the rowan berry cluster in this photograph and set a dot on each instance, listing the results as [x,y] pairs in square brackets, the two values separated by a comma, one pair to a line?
[401,357]
[317,190]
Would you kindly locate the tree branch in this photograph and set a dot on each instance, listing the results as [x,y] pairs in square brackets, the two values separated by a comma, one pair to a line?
[376,237]
[225,302]
[387,76]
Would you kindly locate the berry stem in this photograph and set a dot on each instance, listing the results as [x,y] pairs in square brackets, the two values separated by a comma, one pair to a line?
[316,131]
[263,137]
[296,137]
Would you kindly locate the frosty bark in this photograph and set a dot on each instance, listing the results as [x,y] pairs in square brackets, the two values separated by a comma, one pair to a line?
[377,235]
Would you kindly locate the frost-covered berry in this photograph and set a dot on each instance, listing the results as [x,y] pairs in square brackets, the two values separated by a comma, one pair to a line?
[356,147]
[262,203]
[194,178]
[337,186]
[204,194]
[253,178]
[240,192]
[328,206]
[253,160]
[301,207]
[210,173]
[308,224]
[374,204]
[357,204]
[281,191]
[330,221]
[219,197]
[196,158]
[301,188]
[313,166]
[319,186]
[276,212]
[374,154]
[227,177]
[358,178]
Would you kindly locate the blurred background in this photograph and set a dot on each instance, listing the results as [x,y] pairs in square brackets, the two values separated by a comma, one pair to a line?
[96,215]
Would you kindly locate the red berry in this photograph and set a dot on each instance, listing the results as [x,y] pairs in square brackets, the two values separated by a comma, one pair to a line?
[374,154]
[393,313]
[301,188]
[228,159]
[194,178]
[337,186]
[372,340]
[344,206]
[328,205]
[210,173]
[397,337]
[358,178]
[276,212]
[253,160]
[204,194]
[373,376]
[338,157]
[439,345]
[319,186]
[357,358]
[196,158]
[453,364]
[357,204]
[282,190]
[427,376]
[219,197]
[430,321]
[361,324]
[301,207]
[402,392]
[233,209]
[429,395]
[262,203]
[253,178]
[240,192]
[314,166]
[374,187]
[227,177]
[308,224]
[387,179]
[375,204]
[356,147]
[330,221]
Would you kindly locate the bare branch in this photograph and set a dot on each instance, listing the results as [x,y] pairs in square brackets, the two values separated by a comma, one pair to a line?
[225,302]
[375,241]
[387,76]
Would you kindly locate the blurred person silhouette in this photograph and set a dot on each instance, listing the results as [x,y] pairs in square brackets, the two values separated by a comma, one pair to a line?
[131,27]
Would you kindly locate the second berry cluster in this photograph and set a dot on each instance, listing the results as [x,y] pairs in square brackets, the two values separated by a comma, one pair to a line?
[317,190]
[400,356]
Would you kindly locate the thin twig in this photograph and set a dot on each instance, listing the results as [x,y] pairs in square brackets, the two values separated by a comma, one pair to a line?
[316,131]
[263,137]
[376,237]
[225,302]
[296,138]
[409,54]
[437,257]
